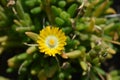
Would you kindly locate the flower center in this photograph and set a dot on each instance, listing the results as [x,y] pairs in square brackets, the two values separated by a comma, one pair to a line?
[52,42]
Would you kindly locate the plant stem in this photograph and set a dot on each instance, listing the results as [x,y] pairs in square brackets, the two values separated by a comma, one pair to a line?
[58,63]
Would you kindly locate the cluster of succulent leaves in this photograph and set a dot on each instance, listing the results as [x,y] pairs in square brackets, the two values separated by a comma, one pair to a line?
[90,33]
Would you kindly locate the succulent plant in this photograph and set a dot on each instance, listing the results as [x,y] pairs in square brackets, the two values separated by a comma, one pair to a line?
[83,31]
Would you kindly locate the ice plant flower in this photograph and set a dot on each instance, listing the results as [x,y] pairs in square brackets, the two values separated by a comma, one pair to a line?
[51,41]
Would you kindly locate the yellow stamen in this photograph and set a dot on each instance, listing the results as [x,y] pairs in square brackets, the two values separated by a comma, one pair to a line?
[51,42]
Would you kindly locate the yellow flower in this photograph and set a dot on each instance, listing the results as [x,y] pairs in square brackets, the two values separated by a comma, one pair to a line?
[51,41]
